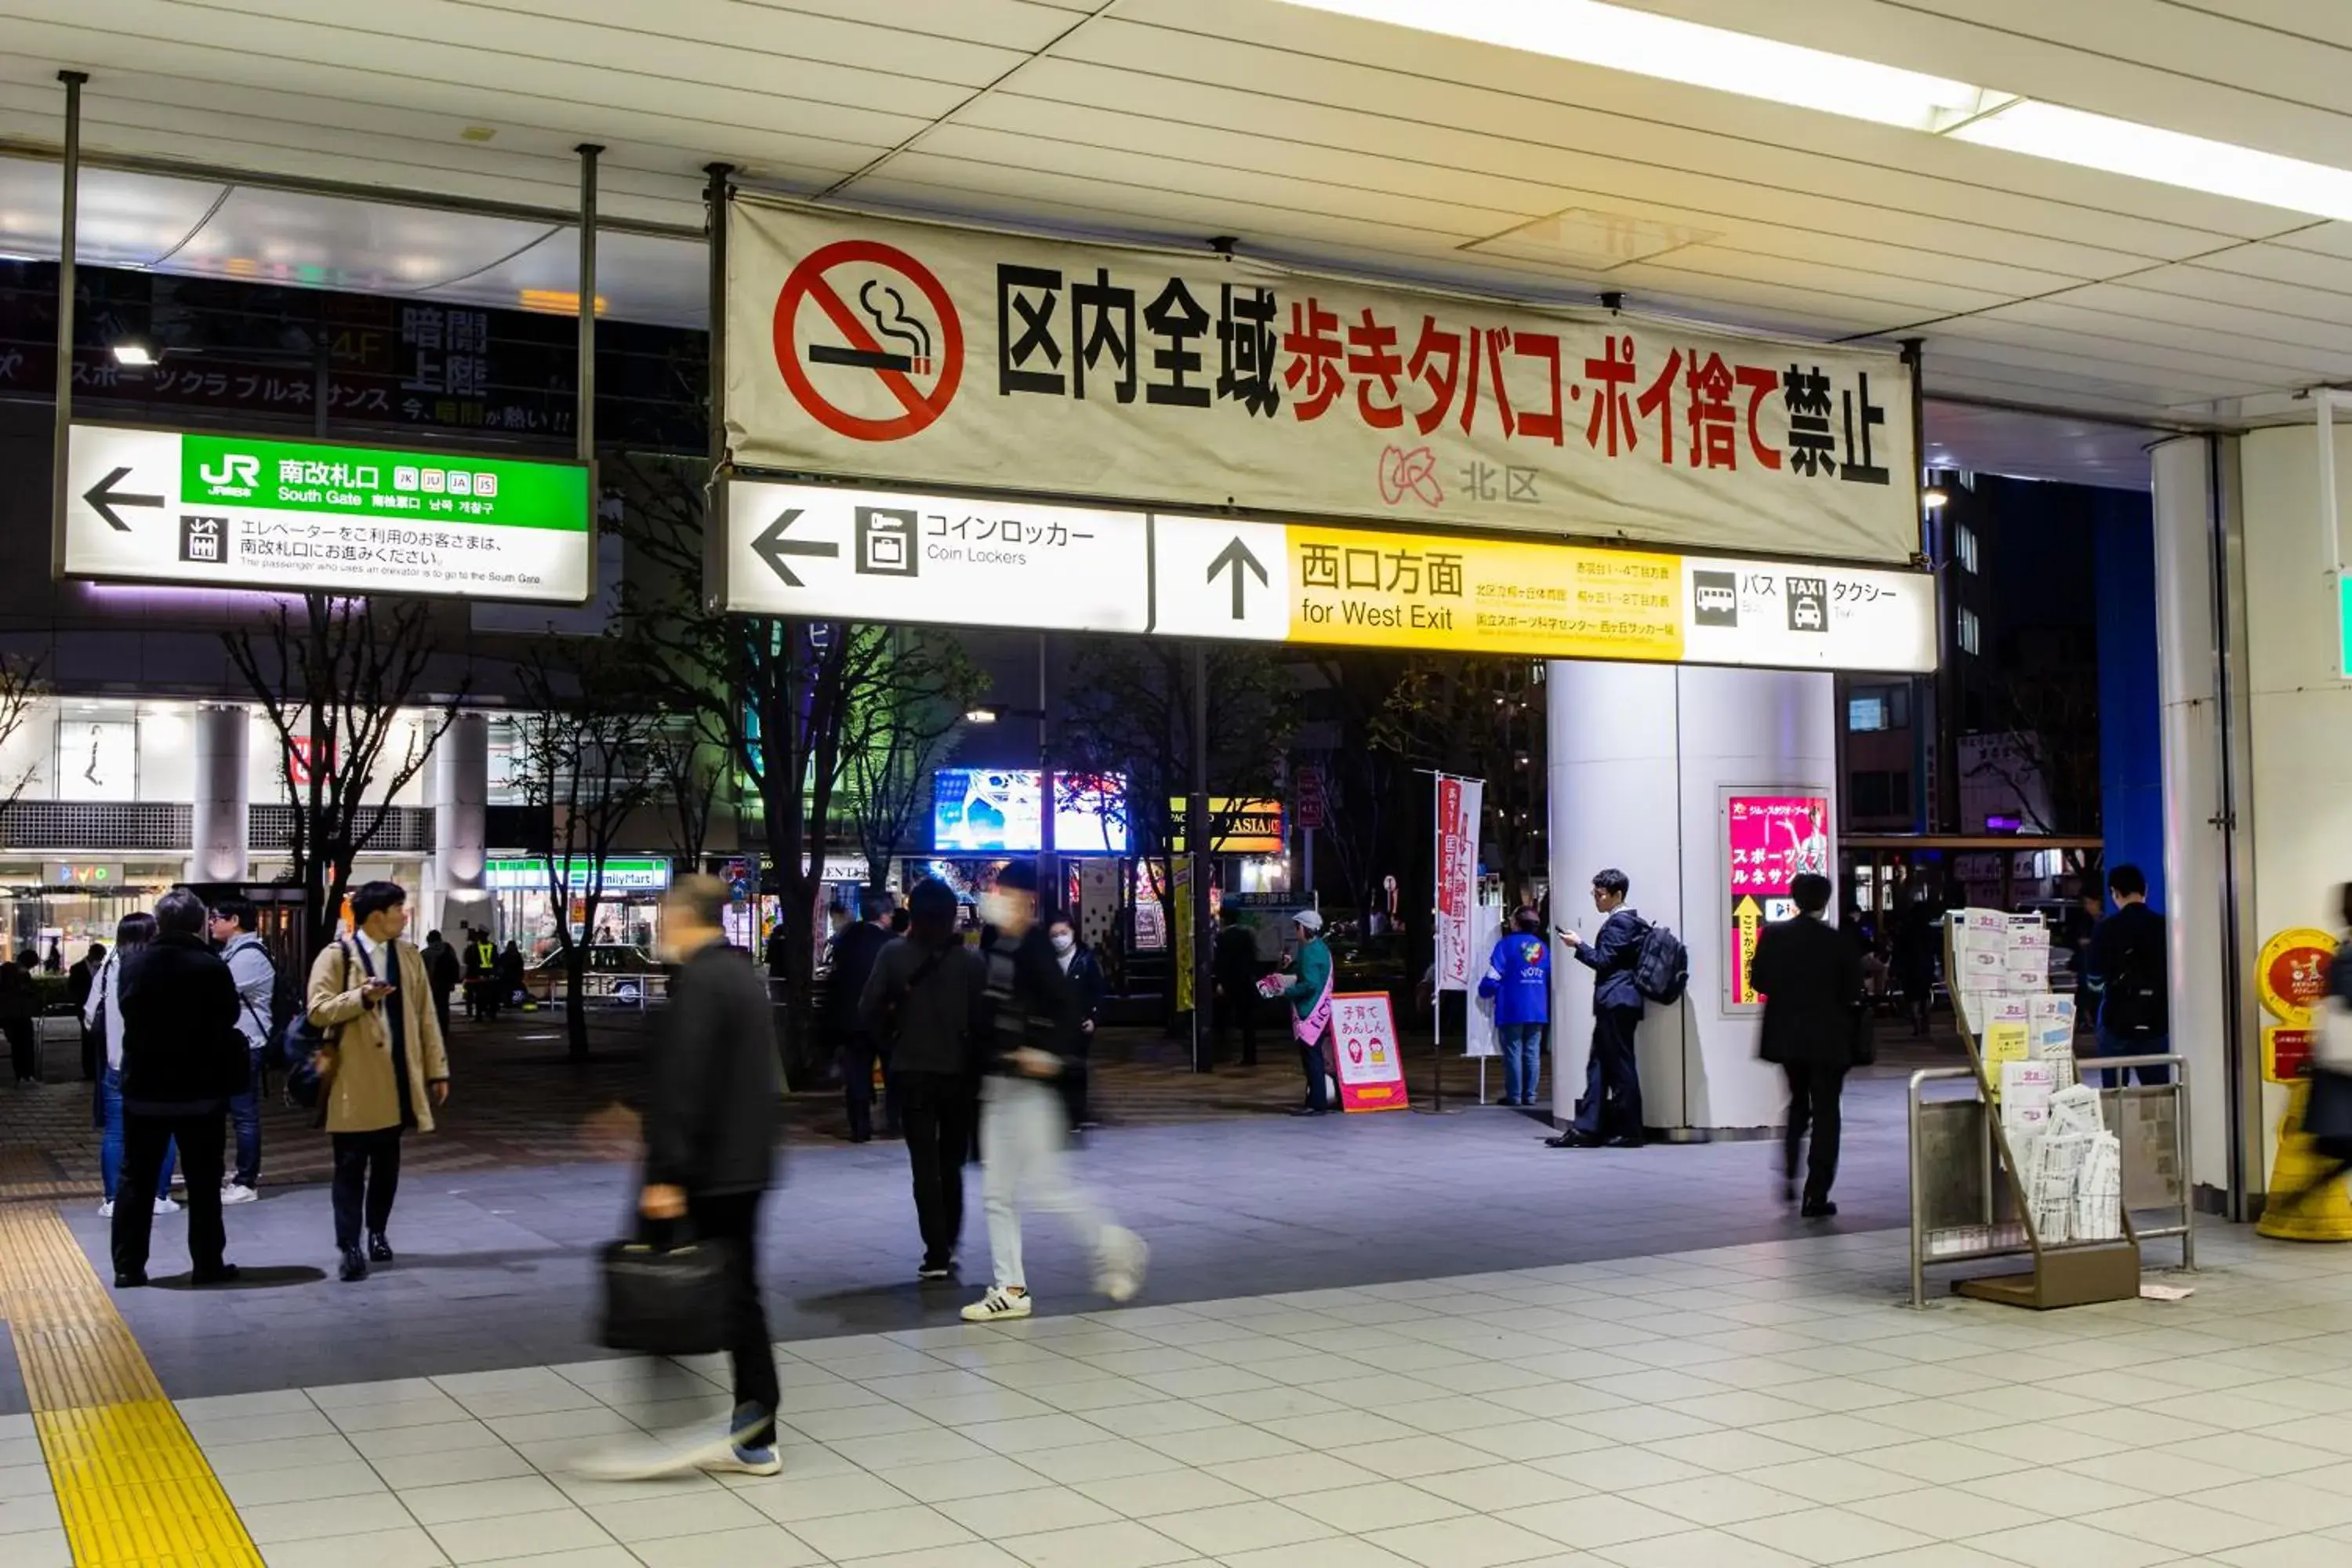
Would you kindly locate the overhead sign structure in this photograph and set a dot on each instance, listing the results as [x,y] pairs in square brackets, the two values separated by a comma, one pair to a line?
[243,511]
[892,556]
[953,356]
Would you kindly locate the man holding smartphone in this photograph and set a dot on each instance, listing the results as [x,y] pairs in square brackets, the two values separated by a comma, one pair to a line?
[384,1070]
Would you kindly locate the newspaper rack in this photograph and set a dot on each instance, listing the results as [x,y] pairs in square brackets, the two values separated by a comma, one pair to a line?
[1968,1199]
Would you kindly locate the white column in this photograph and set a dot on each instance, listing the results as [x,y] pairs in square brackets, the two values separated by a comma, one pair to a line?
[220,848]
[1640,758]
[461,798]
[2299,717]
[2196,867]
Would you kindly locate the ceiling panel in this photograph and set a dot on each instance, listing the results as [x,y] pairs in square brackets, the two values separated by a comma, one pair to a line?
[363,247]
[2036,446]
[127,220]
[639,277]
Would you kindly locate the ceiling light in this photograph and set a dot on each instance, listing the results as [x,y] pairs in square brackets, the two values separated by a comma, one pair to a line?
[2168,157]
[1690,52]
[555,301]
[132,354]
[1592,33]
[979,716]
[1934,496]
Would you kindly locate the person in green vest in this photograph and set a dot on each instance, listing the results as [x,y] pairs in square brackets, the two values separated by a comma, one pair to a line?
[1308,993]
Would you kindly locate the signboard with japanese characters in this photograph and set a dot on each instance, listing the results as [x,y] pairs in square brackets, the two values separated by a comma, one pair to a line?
[951,356]
[889,555]
[240,512]
[1364,1049]
[1770,837]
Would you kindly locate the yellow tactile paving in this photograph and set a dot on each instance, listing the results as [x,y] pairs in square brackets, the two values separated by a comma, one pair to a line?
[134,1490]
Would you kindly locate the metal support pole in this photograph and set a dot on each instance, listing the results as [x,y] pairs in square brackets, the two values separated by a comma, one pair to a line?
[583,418]
[714,515]
[1196,844]
[1049,883]
[61,440]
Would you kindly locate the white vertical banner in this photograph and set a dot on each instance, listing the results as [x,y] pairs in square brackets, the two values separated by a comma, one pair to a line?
[1486,929]
[1459,802]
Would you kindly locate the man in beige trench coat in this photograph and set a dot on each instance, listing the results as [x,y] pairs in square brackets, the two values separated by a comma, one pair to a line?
[385,1067]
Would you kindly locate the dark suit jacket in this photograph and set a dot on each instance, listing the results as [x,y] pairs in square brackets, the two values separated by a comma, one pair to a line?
[1810,976]
[716,1097]
[1611,955]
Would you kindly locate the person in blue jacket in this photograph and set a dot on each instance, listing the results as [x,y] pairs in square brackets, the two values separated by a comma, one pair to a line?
[1613,1080]
[1519,982]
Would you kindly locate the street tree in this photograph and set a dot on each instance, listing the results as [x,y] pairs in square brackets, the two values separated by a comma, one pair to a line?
[337,683]
[21,689]
[583,754]
[900,729]
[1480,718]
[690,765]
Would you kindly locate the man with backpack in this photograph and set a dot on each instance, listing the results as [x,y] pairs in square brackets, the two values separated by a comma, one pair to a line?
[256,975]
[2128,972]
[1610,1112]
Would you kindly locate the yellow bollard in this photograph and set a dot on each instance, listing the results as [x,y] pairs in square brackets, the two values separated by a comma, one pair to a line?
[2325,1215]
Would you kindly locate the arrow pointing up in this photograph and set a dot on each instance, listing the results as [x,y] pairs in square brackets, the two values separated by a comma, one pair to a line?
[1236,557]
[103,498]
[772,547]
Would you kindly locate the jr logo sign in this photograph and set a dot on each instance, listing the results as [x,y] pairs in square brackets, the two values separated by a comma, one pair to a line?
[235,472]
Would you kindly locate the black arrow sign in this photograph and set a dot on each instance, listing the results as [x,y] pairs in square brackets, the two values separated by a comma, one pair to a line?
[1237,556]
[773,548]
[103,498]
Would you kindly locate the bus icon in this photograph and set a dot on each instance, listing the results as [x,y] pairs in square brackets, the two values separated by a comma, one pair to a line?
[1715,597]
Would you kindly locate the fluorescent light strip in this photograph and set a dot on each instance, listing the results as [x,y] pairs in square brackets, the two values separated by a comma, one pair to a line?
[1667,47]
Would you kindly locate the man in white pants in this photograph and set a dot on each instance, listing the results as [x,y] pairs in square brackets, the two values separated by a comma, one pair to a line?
[1032,1032]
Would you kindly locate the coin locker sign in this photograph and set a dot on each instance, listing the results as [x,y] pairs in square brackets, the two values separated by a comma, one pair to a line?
[864,348]
[238,511]
[834,553]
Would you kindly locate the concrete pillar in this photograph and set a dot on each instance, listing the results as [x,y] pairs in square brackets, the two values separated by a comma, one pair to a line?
[461,798]
[1641,757]
[2193,477]
[220,846]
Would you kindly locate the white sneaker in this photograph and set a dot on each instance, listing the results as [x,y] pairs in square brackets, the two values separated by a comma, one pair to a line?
[106,1209]
[997,1306]
[1124,1256]
[237,1192]
[166,1206]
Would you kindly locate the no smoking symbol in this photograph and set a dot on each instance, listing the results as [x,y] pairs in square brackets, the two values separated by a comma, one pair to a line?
[878,334]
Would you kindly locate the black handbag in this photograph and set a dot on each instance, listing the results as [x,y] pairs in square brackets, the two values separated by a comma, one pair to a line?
[665,1297]
[2327,1114]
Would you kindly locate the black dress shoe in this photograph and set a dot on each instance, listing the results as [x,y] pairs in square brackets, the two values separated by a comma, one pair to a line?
[379,1249]
[1571,1140]
[129,1278]
[1624,1144]
[1303,1110]
[1822,1210]
[354,1266]
[224,1274]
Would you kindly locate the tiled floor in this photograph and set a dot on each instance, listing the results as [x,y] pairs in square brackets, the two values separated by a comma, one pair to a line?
[1767,1406]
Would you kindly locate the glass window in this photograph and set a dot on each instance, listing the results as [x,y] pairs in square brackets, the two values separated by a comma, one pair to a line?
[1971,632]
[1867,712]
[1964,547]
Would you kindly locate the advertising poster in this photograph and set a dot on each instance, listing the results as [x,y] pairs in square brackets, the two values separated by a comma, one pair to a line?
[1770,838]
[1458,807]
[1179,893]
[1371,1067]
[98,760]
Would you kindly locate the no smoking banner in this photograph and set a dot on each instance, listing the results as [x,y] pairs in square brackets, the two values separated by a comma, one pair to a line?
[868,341]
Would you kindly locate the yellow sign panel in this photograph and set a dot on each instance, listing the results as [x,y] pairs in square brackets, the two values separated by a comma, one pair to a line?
[2290,976]
[1243,827]
[1479,595]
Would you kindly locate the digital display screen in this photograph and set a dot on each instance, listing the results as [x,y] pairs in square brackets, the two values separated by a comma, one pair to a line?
[1000,811]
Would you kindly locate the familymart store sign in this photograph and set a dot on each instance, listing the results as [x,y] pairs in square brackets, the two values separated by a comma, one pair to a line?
[168,506]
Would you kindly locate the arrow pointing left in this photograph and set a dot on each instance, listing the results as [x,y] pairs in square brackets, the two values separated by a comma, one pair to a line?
[773,548]
[103,498]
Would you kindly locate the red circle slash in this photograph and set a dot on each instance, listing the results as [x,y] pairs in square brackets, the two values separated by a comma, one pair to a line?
[807,281]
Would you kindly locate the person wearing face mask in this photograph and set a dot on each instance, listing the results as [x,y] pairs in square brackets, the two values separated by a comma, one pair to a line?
[1519,982]
[1082,970]
[1031,1030]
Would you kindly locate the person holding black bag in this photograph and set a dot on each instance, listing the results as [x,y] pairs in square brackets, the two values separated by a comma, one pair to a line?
[917,1008]
[711,1119]
[1815,1029]
[2128,973]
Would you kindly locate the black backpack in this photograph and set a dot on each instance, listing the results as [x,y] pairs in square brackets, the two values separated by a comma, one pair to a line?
[1662,969]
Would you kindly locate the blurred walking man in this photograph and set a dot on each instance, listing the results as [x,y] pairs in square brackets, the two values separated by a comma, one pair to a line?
[1032,1032]
[1809,976]
[710,1146]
